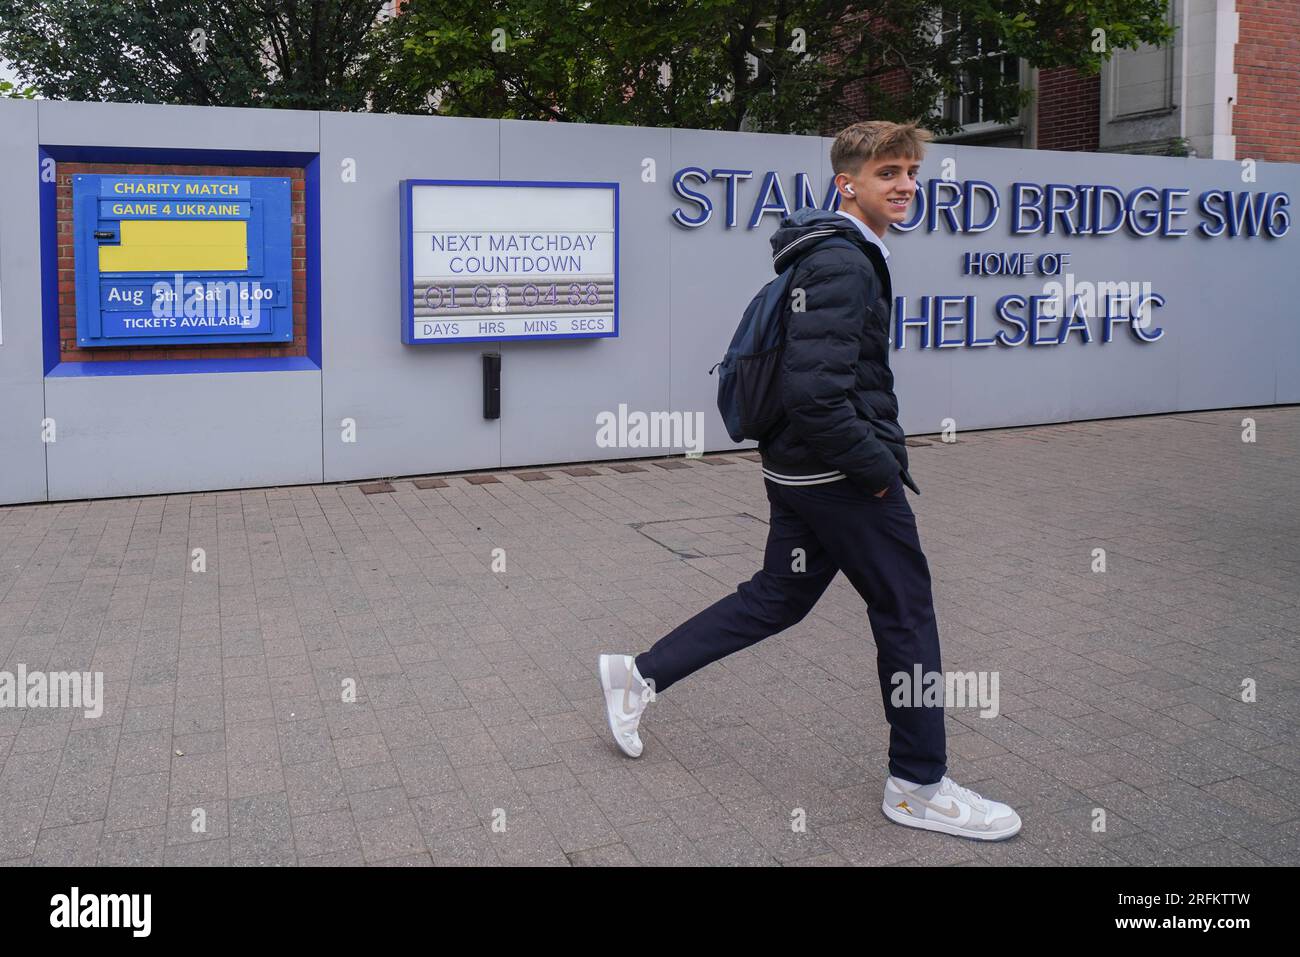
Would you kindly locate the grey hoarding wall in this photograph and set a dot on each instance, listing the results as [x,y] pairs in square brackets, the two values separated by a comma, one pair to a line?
[1229,333]
[136,434]
[22,394]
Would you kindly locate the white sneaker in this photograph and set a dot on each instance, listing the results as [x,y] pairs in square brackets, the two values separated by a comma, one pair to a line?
[952,809]
[626,695]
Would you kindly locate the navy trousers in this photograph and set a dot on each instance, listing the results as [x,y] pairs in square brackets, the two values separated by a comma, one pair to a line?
[874,541]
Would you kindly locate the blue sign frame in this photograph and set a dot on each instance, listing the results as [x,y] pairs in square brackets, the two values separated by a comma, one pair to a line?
[106,301]
[406,191]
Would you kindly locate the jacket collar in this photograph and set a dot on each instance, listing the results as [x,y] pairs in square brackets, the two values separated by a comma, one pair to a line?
[804,229]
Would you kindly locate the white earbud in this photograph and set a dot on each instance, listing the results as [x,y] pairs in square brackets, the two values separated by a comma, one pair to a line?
[849,190]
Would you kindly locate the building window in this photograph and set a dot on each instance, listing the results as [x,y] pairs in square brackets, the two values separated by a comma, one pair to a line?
[985,66]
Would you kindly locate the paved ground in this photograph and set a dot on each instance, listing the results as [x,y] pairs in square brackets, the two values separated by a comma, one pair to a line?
[476,696]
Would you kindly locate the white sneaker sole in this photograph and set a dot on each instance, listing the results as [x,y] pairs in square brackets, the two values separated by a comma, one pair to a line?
[602,665]
[902,817]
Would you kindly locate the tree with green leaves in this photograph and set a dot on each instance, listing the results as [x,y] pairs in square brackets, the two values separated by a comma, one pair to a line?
[11,92]
[770,65]
[295,54]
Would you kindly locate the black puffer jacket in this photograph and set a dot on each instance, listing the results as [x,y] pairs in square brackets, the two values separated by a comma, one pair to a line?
[836,385]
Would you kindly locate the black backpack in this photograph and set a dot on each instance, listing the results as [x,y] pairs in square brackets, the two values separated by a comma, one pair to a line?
[749,394]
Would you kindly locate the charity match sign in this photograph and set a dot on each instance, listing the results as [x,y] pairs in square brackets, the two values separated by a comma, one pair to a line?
[199,259]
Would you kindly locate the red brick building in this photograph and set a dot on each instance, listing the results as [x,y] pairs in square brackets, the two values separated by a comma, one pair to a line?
[1226,87]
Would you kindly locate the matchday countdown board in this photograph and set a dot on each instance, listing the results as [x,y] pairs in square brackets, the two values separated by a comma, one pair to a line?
[494,260]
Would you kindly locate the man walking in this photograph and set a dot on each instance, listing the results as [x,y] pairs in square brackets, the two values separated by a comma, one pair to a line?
[834,473]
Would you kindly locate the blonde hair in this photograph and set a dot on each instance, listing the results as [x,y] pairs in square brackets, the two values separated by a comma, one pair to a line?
[877,139]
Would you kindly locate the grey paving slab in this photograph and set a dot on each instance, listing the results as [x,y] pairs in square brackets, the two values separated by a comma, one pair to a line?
[260,831]
[350,683]
[142,847]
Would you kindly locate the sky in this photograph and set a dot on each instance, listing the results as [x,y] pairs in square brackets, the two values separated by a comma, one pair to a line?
[7,72]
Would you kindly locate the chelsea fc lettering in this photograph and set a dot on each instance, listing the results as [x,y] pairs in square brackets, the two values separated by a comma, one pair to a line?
[1053,314]
[975,206]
